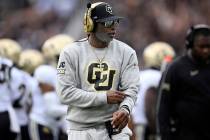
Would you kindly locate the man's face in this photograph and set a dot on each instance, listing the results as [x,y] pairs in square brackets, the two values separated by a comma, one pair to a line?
[105,32]
[201,48]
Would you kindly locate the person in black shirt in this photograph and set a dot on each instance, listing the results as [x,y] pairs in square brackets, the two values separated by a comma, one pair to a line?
[184,97]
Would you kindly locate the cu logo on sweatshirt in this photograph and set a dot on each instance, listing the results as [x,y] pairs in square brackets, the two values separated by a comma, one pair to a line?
[101,76]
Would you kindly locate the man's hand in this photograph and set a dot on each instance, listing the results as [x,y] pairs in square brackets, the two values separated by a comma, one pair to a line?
[115,97]
[120,119]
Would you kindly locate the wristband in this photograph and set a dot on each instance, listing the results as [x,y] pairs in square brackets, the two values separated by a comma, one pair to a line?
[125,107]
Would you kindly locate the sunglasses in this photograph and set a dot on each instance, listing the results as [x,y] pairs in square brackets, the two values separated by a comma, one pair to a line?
[110,23]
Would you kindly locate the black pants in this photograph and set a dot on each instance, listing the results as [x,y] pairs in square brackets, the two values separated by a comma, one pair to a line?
[5,132]
[24,132]
[40,132]
[186,133]
[62,135]
[149,135]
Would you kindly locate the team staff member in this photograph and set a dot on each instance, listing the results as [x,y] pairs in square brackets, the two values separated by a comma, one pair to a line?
[185,91]
[98,79]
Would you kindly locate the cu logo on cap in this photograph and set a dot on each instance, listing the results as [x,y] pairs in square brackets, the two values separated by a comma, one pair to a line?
[109,9]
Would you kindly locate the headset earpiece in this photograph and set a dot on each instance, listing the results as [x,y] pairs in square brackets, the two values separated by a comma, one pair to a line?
[189,37]
[88,22]
[191,33]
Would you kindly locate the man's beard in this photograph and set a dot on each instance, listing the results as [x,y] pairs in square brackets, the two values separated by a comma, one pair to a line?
[203,61]
[104,37]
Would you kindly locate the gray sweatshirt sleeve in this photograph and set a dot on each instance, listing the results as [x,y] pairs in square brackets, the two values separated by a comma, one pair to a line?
[130,80]
[67,84]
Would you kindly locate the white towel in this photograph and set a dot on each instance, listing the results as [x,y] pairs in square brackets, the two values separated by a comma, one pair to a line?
[14,125]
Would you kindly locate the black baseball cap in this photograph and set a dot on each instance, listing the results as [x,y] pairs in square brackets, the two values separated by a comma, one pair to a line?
[103,12]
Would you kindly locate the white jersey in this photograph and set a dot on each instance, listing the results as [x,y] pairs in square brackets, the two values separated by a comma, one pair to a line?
[21,88]
[148,78]
[38,111]
[54,107]
[55,110]
[5,95]
[39,108]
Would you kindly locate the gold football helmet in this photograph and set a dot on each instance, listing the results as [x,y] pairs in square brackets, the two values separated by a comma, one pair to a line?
[53,46]
[30,59]
[10,49]
[155,53]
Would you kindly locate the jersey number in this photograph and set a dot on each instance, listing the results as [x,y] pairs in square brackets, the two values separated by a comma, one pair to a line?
[4,73]
[100,76]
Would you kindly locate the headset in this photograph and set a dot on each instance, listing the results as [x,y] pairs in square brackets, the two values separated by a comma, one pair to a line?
[88,21]
[192,32]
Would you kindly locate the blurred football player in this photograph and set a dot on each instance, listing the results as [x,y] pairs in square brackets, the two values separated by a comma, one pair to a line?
[9,127]
[30,59]
[51,51]
[155,56]
[53,47]
[44,124]
[19,85]
[10,49]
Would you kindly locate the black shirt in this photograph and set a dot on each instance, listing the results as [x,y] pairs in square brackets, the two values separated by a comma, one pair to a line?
[184,105]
